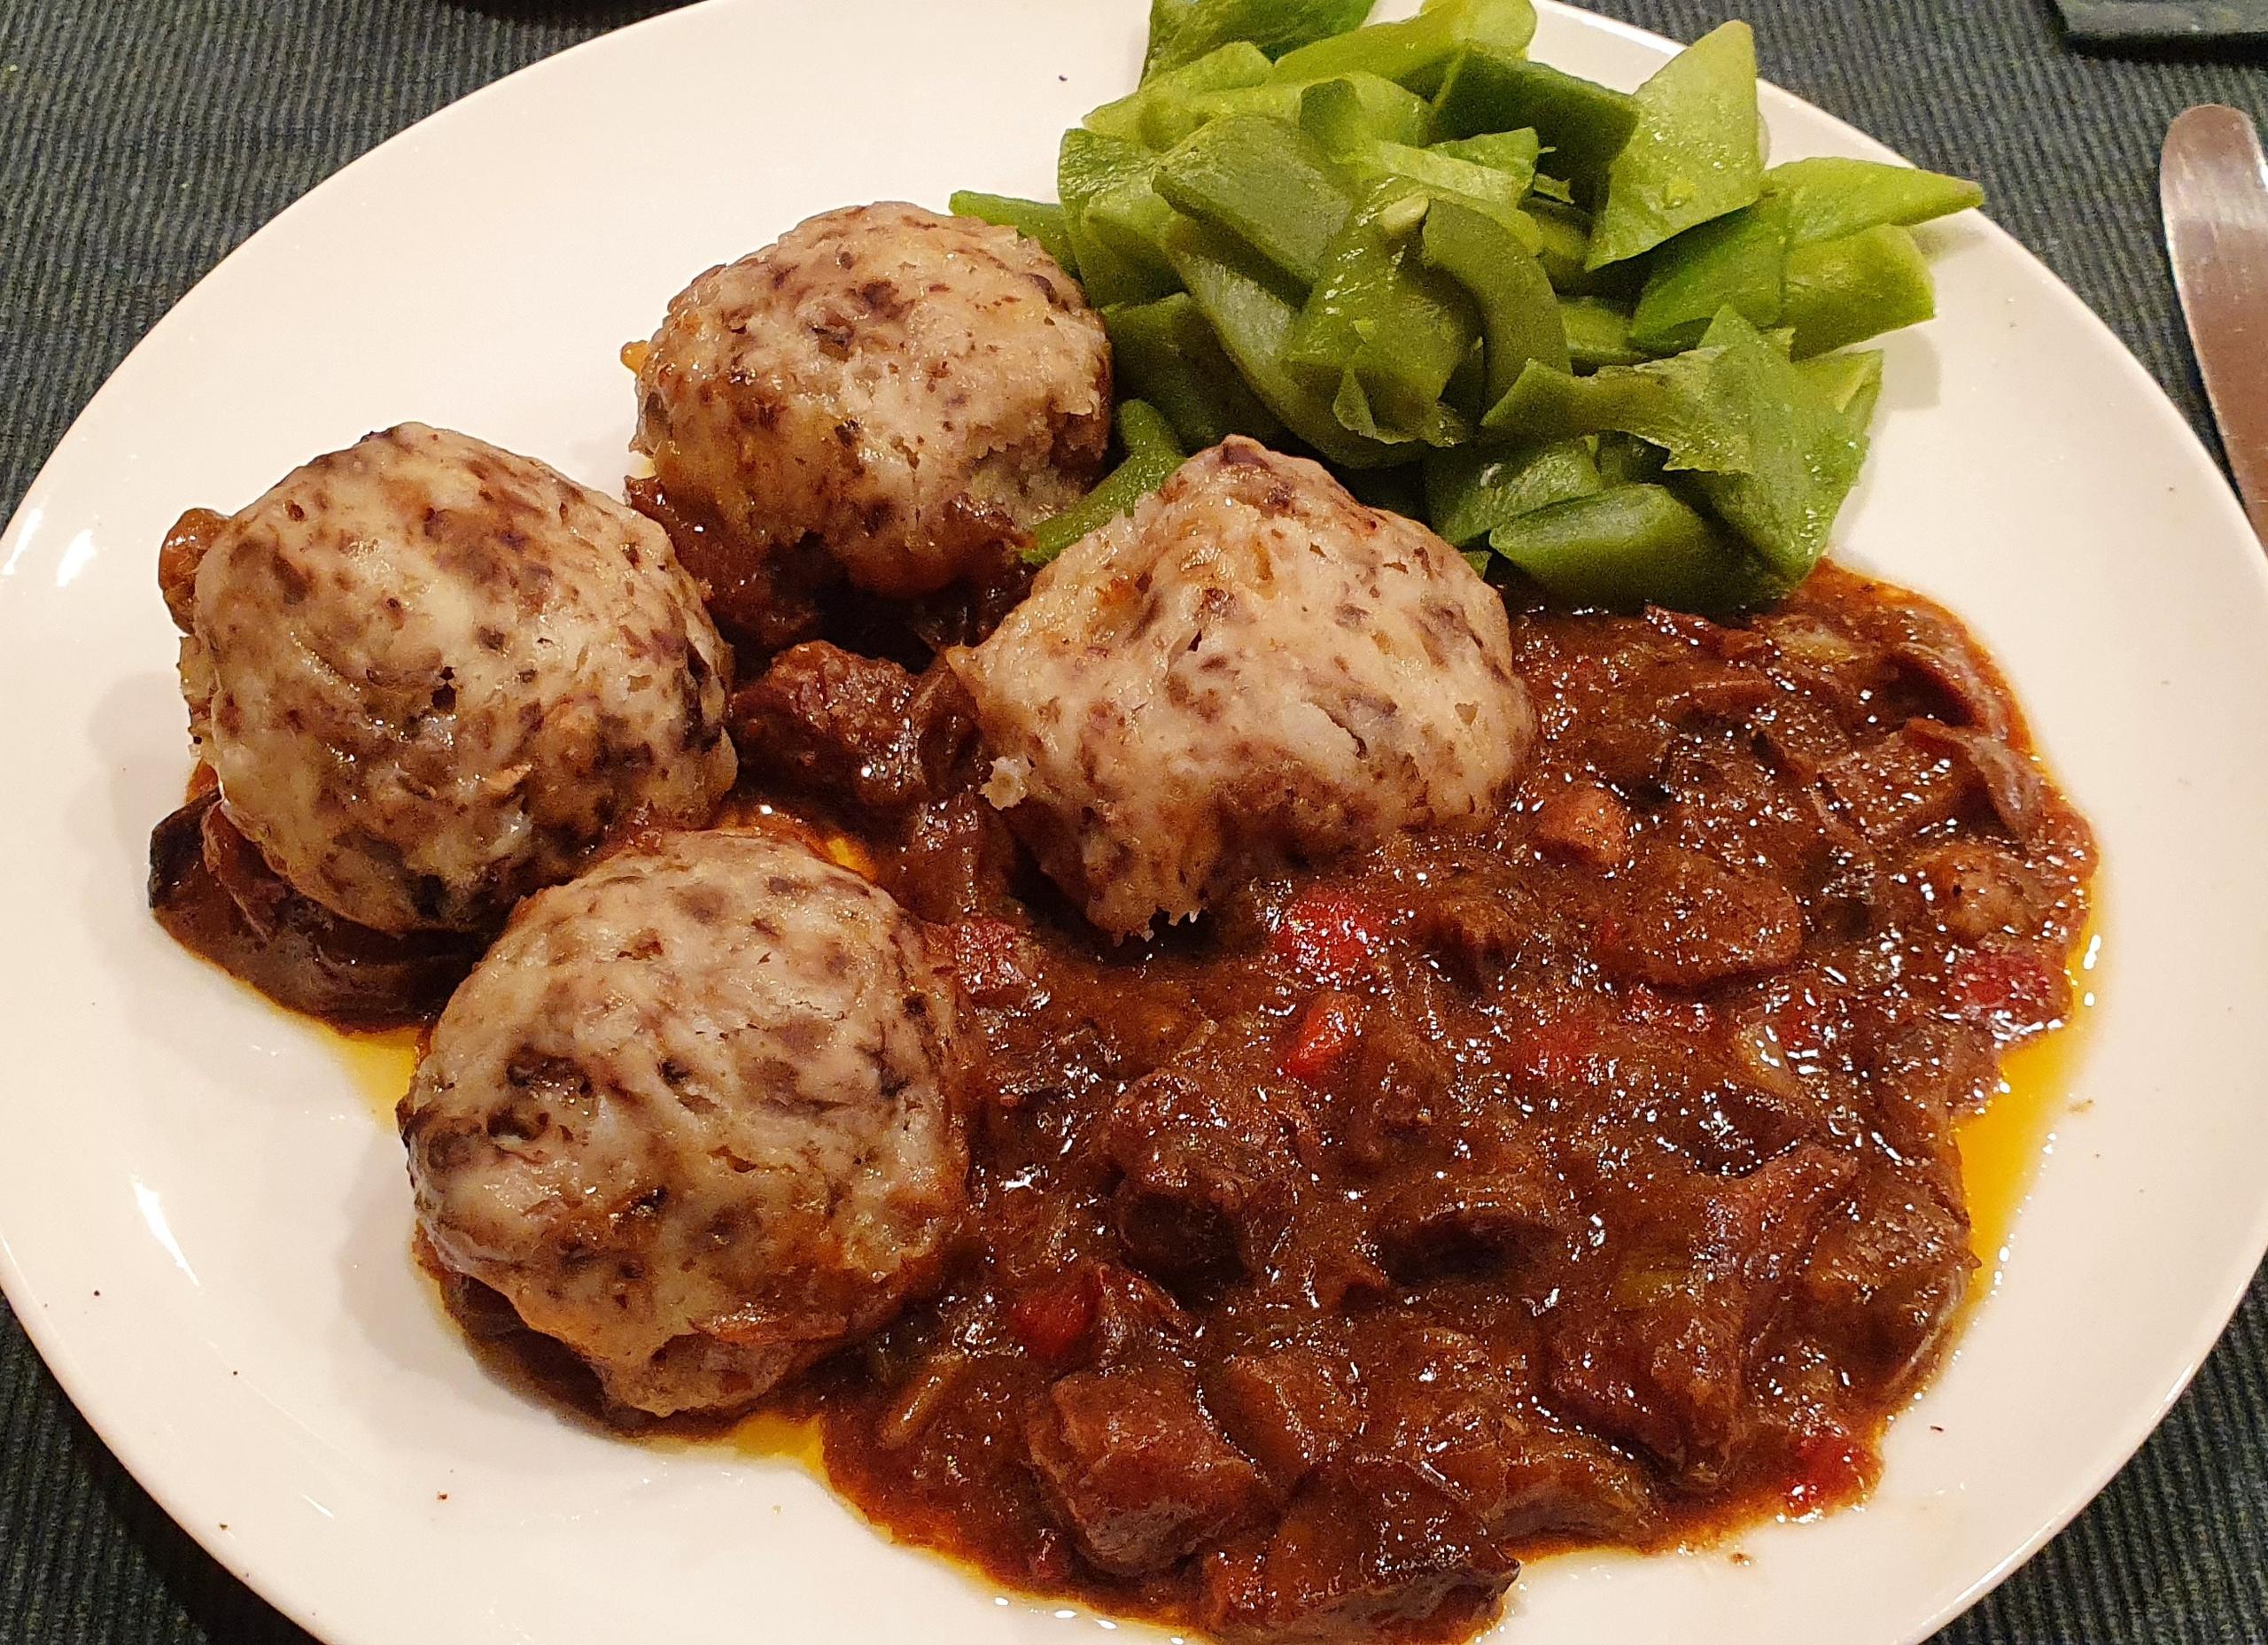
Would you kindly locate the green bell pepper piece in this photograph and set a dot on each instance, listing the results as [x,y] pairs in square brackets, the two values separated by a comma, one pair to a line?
[1467,390]
[1852,381]
[1390,330]
[1151,456]
[1130,221]
[1088,166]
[1626,460]
[1446,177]
[1585,126]
[1418,51]
[1628,548]
[1036,220]
[1253,319]
[1598,334]
[1676,403]
[1182,31]
[1166,352]
[1843,292]
[1148,115]
[1805,453]
[1520,314]
[1089,163]
[1270,184]
[1359,105]
[1433,423]
[1697,151]
[1469,493]
[1515,153]
[1352,109]
[1831,197]
[1564,231]
[1739,260]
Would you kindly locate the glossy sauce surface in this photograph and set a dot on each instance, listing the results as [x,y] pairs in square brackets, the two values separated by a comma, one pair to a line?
[1606,1176]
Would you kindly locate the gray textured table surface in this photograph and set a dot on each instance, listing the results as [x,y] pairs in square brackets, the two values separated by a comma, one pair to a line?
[141,139]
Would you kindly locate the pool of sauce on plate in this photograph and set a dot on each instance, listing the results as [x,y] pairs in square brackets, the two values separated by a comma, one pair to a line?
[2001,1147]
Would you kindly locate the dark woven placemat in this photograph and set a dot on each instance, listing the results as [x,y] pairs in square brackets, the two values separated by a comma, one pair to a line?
[141,139]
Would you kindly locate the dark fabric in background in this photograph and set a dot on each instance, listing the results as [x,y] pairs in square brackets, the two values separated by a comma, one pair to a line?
[140,140]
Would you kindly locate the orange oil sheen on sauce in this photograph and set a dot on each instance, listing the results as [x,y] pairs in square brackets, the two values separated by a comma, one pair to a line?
[379,1064]
[2001,1147]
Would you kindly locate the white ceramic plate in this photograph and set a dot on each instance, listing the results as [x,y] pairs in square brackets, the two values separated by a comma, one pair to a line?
[204,1227]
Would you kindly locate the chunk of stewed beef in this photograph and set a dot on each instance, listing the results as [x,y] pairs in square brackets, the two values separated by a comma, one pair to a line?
[1289,1407]
[1138,1470]
[1925,1074]
[1467,1217]
[1586,825]
[1206,1146]
[955,860]
[1662,1368]
[1691,921]
[211,888]
[831,723]
[1974,888]
[1364,1546]
[1884,1280]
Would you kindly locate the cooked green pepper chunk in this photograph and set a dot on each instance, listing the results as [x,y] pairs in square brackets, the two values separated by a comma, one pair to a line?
[1829,197]
[1390,329]
[1409,421]
[1182,31]
[1418,51]
[1598,334]
[1805,453]
[1445,176]
[1253,319]
[1270,184]
[1738,261]
[1842,291]
[1515,153]
[1166,352]
[1036,220]
[1356,107]
[1470,492]
[1136,118]
[1625,548]
[1564,231]
[1089,165]
[1130,221]
[1852,381]
[1379,108]
[1626,460]
[1676,403]
[1520,315]
[1585,126]
[1697,151]
[1151,455]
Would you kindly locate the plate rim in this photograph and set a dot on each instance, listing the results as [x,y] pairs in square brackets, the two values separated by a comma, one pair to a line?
[296,1592]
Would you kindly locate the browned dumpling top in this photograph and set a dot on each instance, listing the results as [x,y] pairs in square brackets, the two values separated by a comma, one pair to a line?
[694,1116]
[1252,667]
[910,391]
[433,676]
